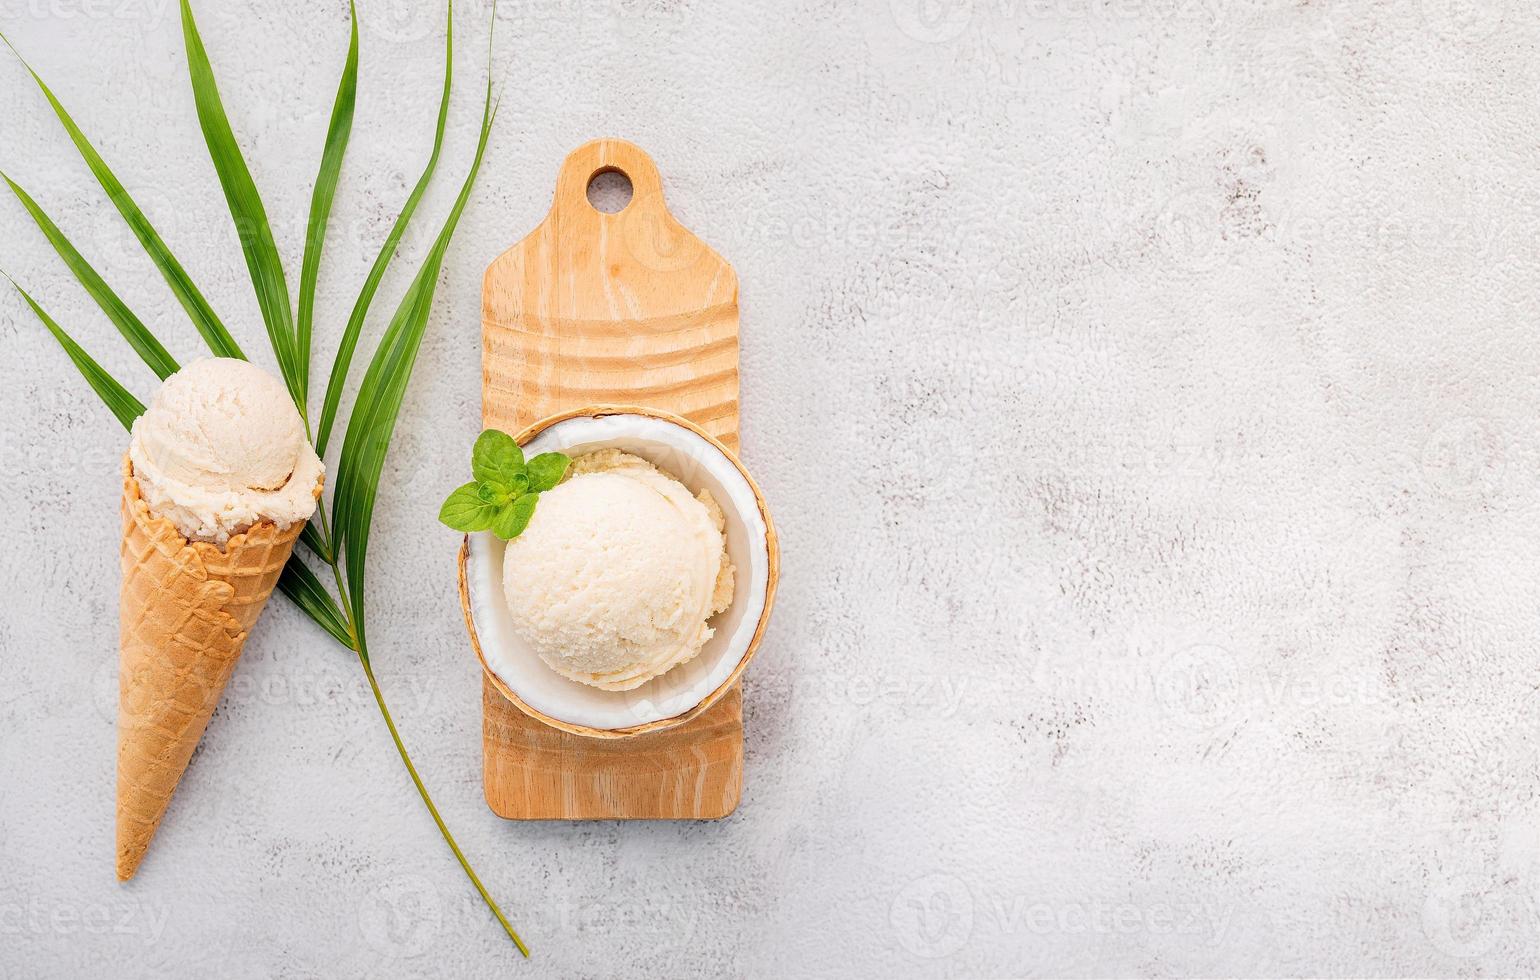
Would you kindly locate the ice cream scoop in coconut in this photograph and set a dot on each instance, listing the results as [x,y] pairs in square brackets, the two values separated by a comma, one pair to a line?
[641,588]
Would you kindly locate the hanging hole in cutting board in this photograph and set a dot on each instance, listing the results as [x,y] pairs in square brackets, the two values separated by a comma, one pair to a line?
[609,190]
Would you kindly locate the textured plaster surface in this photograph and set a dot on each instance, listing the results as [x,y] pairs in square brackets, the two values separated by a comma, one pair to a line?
[1145,390]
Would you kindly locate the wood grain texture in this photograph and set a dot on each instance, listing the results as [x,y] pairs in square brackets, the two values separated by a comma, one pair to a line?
[624,308]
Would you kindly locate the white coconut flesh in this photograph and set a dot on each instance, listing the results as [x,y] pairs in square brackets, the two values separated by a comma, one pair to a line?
[696,463]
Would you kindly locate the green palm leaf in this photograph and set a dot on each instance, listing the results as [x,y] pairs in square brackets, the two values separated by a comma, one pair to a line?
[344,358]
[337,134]
[382,391]
[384,386]
[209,326]
[246,209]
[311,538]
[117,398]
[129,325]
[302,587]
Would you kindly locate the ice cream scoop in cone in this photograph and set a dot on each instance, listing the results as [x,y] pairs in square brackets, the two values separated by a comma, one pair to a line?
[185,610]
[186,604]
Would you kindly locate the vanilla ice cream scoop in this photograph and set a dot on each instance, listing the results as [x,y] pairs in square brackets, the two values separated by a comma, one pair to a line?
[222,447]
[614,579]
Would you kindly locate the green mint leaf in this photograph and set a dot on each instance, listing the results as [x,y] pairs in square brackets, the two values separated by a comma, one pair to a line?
[496,458]
[493,493]
[546,470]
[466,511]
[511,521]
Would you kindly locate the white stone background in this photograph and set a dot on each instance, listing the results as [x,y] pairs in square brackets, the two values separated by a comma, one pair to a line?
[1144,389]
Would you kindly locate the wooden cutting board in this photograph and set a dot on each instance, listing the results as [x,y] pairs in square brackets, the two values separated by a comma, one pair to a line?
[625,308]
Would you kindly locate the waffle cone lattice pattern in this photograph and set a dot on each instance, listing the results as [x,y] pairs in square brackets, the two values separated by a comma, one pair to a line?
[184,613]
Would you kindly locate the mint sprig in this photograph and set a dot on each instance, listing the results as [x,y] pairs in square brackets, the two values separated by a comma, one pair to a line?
[502,497]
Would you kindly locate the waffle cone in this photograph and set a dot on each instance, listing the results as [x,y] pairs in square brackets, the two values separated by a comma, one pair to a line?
[184,613]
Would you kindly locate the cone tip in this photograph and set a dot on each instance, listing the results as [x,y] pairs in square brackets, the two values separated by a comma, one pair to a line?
[128,863]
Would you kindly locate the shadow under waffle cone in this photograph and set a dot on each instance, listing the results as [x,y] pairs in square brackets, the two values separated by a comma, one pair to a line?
[184,613]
